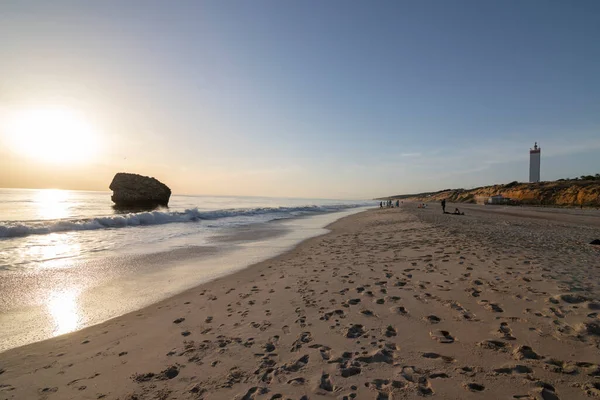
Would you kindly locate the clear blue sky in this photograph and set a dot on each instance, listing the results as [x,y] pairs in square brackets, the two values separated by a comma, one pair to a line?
[340,99]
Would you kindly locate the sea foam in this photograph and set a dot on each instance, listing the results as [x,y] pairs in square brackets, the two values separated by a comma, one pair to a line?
[25,228]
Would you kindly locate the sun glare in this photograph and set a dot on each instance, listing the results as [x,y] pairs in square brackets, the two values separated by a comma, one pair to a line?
[62,305]
[52,135]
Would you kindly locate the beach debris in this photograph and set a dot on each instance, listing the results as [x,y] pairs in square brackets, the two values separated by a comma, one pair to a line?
[595,242]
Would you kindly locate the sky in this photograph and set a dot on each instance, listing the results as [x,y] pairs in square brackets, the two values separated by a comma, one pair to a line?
[335,99]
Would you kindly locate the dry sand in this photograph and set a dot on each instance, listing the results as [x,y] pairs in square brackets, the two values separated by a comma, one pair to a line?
[392,304]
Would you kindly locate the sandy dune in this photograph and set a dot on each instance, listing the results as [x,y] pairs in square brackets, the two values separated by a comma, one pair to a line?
[392,304]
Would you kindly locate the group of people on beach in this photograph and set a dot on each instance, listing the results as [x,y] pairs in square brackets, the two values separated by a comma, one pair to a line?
[389,204]
[392,204]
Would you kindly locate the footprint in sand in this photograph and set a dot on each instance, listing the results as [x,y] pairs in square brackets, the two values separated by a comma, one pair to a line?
[354,331]
[468,371]
[325,353]
[296,381]
[352,302]
[390,331]
[514,369]
[384,387]
[441,336]
[505,331]
[399,310]
[493,345]
[305,337]
[325,383]
[255,391]
[438,375]
[296,365]
[561,367]
[592,389]
[525,352]
[435,356]
[270,345]
[474,387]
[546,391]
[327,316]
[385,356]
[349,371]
[491,306]
[411,373]
[432,319]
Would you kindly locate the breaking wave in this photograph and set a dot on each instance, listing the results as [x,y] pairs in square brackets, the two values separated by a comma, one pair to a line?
[25,228]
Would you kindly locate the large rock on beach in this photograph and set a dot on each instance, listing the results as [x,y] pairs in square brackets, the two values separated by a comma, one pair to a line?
[133,190]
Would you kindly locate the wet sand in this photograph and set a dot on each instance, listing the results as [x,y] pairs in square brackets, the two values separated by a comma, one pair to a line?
[393,303]
[38,303]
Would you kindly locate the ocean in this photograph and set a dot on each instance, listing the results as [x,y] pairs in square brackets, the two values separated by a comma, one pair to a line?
[69,260]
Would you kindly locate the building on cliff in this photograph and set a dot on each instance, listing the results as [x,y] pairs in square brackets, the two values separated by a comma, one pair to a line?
[534,163]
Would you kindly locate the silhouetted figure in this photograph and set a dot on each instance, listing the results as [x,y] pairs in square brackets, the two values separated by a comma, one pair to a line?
[444,206]
[457,212]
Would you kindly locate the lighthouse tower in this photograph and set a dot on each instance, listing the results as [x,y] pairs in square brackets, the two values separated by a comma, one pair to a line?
[534,163]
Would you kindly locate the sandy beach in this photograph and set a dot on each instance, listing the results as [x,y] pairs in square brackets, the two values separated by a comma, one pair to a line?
[391,304]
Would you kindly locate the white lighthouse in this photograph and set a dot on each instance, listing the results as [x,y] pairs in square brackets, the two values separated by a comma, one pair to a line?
[535,155]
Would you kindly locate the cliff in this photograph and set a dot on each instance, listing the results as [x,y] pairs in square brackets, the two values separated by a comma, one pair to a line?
[562,193]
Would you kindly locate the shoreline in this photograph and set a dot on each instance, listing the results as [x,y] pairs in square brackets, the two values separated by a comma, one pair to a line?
[174,297]
[362,309]
[67,299]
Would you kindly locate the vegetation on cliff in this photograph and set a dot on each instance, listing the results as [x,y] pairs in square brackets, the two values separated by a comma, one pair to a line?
[583,191]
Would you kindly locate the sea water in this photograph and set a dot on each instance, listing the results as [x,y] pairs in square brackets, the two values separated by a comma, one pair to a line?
[69,260]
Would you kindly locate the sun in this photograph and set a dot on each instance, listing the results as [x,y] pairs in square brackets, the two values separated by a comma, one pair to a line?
[55,135]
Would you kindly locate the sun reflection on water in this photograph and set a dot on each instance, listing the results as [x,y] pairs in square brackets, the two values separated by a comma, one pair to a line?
[52,203]
[54,246]
[62,305]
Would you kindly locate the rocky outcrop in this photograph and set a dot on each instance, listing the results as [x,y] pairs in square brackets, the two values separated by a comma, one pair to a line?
[133,190]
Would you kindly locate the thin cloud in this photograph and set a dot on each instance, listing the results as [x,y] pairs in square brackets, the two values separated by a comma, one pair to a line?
[411,155]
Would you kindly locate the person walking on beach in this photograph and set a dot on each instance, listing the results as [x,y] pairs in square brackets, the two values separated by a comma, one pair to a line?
[444,206]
